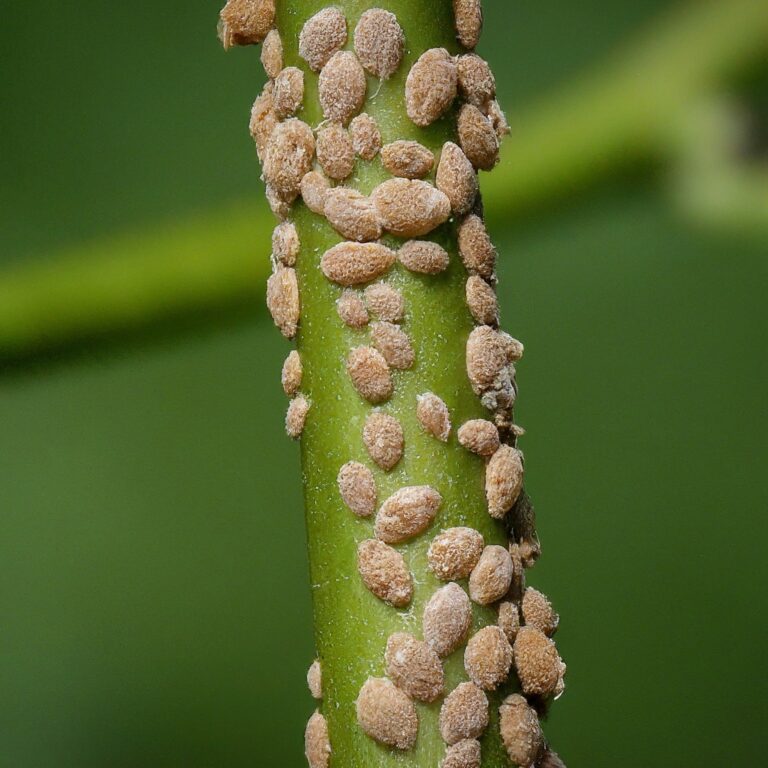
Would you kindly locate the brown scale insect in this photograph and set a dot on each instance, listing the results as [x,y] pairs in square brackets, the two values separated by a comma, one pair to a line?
[406,513]
[414,667]
[317,745]
[431,86]
[477,138]
[503,480]
[288,156]
[288,93]
[386,714]
[491,577]
[321,36]
[342,87]
[272,54]
[245,22]
[488,658]
[292,373]
[283,300]
[457,179]
[314,188]
[475,247]
[335,151]
[481,301]
[379,42]
[469,21]
[354,263]
[424,257]
[385,302]
[383,439]
[454,552]
[357,488]
[538,665]
[433,416]
[315,680]
[488,353]
[394,345]
[463,754]
[351,309]
[352,214]
[480,437]
[407,159]
[263,119]
[509,620]
[384,572]
[538,612]
[477,85]
[285,243]
[296,416]
[279,206]
[410,207]
[370,374]
[520,730]
[498,120]
[447,619]
[366,137]
[464,714]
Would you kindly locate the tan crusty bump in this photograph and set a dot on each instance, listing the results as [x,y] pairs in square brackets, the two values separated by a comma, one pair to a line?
[454,552]
[352,214]
[386,714]
[317,745]
[469,21]
[296,416]
[424,257]
[430,87]
[464,714]
[456,178]
[283,300]
[480,437]
[315,680]
[503,480]
[394,344]
[520,730]
[383,439]
[321,36]
[335,152]
[263,119]
[384,572]
[285,243]
[433,415]
[277,202]
[517,588]
[538,612]
[491,577]
[292,373]
[366,137]
[370,374]
[289,92]
[351,309]
[288,156]
[538,665]
[481,301]
[410,207]
[550,759]
[245,22]
[385,302]
[477,137]
[475,246]
[414,667]
[407,159]
[272,54]
[463,754]
[354,263]
[406,513]
[488,354]
[509,620]
[314,188]
[357,488]
[476,82]
[379,42]
[447,619]
[498,120]
[341,87]
[488,657]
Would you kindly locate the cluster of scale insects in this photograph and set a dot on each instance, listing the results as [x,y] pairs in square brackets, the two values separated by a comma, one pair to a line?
[299,161]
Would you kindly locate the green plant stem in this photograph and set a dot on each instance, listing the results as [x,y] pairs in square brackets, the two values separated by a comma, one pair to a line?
[623,111]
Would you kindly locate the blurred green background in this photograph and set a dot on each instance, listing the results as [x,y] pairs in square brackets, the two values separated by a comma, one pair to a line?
[154,602]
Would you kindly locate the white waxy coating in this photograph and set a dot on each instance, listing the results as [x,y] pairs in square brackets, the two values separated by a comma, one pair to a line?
[447,619]
[317,745]
[292,373]
[406,513]
[386,714]
[315,680]
[285,243]
[296,416]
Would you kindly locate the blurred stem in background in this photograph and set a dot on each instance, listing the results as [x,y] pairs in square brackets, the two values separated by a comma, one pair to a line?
[629,110]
